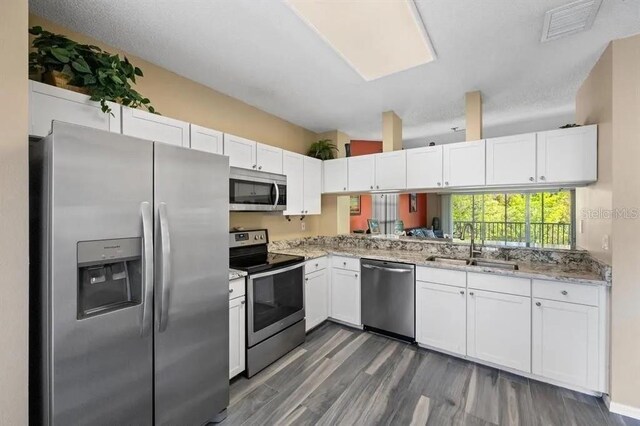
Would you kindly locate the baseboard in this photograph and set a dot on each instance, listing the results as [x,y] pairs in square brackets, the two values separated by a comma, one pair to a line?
[625,410]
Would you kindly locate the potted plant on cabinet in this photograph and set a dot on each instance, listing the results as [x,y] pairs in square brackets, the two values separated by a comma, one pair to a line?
[86,69]
[323,149]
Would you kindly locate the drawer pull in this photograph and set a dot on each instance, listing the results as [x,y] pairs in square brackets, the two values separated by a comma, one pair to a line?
[471,293]
[538,304]
[564,292]
[230,290]
[306,279]
[461,292]
[242,302]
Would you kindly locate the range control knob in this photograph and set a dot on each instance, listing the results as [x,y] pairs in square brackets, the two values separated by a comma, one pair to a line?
[255,237]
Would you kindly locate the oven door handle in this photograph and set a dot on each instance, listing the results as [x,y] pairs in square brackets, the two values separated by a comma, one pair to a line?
[277,271]
[275,185]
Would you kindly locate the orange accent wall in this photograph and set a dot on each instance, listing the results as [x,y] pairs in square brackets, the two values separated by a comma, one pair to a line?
[413,220]
[362,147]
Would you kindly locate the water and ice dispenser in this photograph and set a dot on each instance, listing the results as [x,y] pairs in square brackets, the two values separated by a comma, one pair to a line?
[109,275]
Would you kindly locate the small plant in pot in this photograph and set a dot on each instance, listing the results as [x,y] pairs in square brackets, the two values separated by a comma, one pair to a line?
[324,149]
[86,69]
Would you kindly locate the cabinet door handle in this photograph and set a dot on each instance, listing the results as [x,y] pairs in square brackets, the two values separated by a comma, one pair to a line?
[461,292]
[230,290]
[446,183]
[542,178]
[344,189]
[564,292]
[356,275]
[377,186]
[531,179]
[470,293]
[254,166]
[439,184]
[371,187]
[316,265]
[242,302]
[260,168]
[306,279]
[538,304]
[344,263]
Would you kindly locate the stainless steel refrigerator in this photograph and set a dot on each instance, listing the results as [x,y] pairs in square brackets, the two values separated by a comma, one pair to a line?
[130,279]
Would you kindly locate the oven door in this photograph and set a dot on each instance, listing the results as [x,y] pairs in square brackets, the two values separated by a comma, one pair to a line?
[250,193]
[275,301]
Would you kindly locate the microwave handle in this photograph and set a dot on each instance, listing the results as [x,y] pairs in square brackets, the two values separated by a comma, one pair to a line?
[275,204]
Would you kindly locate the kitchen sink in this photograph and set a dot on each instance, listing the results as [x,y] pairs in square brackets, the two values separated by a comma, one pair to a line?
[449,260]
[494,264]
[498,264]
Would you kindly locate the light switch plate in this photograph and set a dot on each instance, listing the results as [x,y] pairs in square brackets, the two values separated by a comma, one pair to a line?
[303,226]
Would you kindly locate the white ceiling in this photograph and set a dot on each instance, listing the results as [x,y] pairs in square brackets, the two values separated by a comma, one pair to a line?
[262,53]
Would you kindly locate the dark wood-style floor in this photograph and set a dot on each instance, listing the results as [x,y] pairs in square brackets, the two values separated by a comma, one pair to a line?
[345,376]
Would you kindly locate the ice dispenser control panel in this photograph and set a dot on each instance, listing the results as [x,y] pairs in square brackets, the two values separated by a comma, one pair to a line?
[109,275]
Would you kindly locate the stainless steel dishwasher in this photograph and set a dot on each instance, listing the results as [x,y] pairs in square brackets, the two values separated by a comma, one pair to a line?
[388,298]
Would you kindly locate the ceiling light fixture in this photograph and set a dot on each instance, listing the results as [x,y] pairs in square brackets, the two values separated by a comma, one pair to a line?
[376,38]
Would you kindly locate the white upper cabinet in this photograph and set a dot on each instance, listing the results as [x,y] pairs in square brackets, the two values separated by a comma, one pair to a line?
[568,155]
[248,154]
[464,164]
[269,158]
[511,160]
[361,173]
[391,170]
[48,103]
[312,185]
[424,167]
[241,151]
[154,127]
[208,140]
[566,343]
[304,182]
[335,175]
[499,329]
[293,168]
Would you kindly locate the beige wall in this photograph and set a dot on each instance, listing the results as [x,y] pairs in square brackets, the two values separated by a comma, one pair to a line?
[625,349]
[594,105]
[611,97]
[177,97]
[13,213]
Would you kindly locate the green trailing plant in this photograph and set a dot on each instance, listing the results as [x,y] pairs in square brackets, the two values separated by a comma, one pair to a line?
[105,76]
[324,149]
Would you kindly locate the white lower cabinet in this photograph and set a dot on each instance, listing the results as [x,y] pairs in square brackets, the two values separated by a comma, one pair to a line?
[316,298]
[440,317]
[499,329]
[237,330]
[566,343]
[345,296]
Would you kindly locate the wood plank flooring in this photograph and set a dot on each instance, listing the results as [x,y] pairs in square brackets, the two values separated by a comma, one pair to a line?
[343,376]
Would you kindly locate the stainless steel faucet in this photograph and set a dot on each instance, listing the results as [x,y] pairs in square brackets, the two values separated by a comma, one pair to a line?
[472,247]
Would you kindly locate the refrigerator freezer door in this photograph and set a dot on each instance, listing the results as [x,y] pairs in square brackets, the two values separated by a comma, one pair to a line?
[192,285]
[100,365]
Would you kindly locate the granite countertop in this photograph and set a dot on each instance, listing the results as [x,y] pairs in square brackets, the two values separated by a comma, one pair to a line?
[563,272]
[234,273]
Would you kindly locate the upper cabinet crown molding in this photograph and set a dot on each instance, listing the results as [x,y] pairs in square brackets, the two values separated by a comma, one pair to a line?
[145,125]
[47,103]
[205,139]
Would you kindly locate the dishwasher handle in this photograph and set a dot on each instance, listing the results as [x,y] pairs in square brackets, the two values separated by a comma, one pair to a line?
[383,268]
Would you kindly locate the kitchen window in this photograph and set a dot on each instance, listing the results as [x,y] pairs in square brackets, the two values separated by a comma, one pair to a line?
[537,219]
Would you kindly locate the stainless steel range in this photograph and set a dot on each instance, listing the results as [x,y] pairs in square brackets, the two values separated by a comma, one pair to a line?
[275,298]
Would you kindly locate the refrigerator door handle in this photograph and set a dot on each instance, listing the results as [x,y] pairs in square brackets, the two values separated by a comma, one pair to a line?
[165,280]
[147,268]
[275,204]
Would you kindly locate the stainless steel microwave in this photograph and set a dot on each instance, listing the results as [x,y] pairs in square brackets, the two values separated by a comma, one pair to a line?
[251,190]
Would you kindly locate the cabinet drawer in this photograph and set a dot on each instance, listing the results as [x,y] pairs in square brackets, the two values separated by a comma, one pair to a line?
[236,288]
[441,276]
[565,292]
[314,265]
[499,283]
[342,262]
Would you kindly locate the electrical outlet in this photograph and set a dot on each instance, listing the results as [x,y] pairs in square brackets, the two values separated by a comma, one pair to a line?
[581,226]
[303,226]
